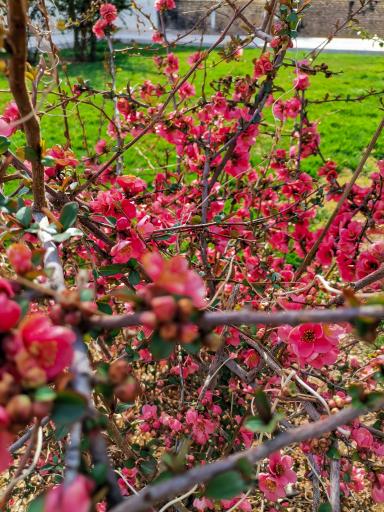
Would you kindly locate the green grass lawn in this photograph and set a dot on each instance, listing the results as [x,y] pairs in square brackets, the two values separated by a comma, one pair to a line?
[345,128]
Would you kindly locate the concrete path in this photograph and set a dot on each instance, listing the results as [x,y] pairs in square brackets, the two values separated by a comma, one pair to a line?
[127,36]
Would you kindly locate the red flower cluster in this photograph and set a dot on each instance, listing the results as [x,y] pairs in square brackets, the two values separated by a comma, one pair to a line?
[108,13]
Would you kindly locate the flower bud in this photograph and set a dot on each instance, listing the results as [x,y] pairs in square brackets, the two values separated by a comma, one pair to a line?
[212,341]
[8,388]
[148,319]
[188,333]
[20,257]
[168,332]
[129,390]
[19,409]
[186,307]
[164,308]
[10,313]
[119,371]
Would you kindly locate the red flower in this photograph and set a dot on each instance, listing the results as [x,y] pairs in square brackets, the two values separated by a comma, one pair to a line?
[75,496]
[10,313]
[108,12]
[45,346]
[175,277]
[378,489]
[280,468]
[270,487]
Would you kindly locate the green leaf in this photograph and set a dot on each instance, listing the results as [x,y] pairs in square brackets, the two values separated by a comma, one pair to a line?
[256,424]
[333,453]
[225,486]
[245,467]
[99,473]
[69,233]
[111,270]
[68,215]
[148,467]
[122,407]
[263,406]
[87,295]
[159,348]
[69,407]
[37,505]
[325,507]
[44,394]
[4,144]
[134,278]
[48,161]
[24,216]
[104,307]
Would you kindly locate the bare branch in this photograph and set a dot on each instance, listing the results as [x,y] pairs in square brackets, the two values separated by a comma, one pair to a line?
[210,319]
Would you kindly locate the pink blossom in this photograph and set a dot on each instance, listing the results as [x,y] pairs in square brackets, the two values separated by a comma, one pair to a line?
[202,428]
[203,503]
[101,147]
[363,437]
[280,468]
[10,313]
[75,496]
[244,505]
[44,345]
[174,276]
[149,412]
[164,5]
[301,81]
[187,90]
[108,12]
[378,488]
[270,487]
[263,65]
[99,28]
[8,121]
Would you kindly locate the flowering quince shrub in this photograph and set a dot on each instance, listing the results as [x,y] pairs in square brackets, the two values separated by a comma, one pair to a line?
[153,325]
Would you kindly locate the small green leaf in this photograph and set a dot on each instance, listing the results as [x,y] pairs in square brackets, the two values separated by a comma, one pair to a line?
[263,406]
[111,270]
[68,215]
[123,407]
[69,407]
[37,505]
[333,453]
[325,507]
[256,424]
[99,473]
[104,307]
[44,394]
[69,233]
[4,144]
[134,278]
[225,486]
[159,348]
[24,216]
[149,467]
[245,467]
[87,295]
[48,161]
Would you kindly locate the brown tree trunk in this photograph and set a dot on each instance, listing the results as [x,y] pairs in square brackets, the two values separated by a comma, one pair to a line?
[17,43]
